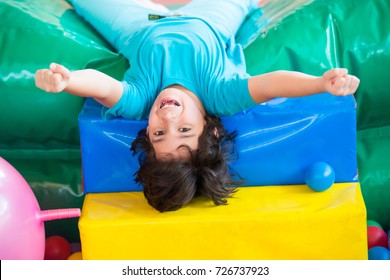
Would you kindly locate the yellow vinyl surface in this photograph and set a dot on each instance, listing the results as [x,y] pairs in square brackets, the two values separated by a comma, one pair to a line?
[273,222]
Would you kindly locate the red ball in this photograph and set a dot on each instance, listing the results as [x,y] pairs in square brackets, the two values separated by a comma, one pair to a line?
[376,237]
[57,248]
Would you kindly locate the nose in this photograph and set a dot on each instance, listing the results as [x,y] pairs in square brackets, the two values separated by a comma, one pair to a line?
[169,115]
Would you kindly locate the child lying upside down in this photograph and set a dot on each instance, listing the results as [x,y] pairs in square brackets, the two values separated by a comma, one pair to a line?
[186,71]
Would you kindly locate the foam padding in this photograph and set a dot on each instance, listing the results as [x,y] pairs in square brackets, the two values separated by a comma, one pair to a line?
[277,142]
[273,222]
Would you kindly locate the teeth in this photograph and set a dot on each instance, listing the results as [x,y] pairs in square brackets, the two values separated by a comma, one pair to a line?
[169,103]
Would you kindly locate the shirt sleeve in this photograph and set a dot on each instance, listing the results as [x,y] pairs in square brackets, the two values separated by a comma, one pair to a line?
[132,105]
[232,96]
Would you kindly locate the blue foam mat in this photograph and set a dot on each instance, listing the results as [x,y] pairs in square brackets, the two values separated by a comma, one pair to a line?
[277,142]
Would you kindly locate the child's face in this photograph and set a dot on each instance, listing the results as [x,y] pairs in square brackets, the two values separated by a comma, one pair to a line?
[176,118]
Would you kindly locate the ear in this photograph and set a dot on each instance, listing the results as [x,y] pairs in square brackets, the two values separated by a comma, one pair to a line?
[147,130]
[216,133]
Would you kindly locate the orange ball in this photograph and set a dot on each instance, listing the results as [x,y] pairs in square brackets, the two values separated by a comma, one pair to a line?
[76,256]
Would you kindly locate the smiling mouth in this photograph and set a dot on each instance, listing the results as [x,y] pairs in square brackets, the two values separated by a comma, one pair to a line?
[169,103]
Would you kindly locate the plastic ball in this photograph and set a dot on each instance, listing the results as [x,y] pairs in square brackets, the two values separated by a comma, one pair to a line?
[57,248]
[75,246]
[320,176]
[373,223]
[378,253]
[376,237]
[76,256]
[388,237]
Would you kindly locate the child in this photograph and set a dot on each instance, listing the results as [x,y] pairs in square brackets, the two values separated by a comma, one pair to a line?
[186,70]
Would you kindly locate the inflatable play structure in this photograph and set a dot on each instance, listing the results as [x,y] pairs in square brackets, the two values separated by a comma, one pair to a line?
[72,158]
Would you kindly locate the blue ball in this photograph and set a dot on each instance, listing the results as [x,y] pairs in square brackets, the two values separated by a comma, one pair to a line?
[378,253]
[320,176]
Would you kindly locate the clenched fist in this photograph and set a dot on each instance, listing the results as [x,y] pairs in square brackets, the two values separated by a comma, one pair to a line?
[55,79]
[338,82]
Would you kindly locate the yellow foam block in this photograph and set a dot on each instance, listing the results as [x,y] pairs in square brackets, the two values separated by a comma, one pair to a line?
[276,222]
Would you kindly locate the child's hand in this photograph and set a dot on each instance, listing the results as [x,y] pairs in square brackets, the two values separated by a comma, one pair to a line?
[54,79]
[338,82]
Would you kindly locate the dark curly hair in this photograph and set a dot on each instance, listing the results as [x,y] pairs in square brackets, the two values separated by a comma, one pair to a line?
[170,183]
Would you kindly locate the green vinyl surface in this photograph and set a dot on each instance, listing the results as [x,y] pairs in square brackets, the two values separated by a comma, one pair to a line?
[39,131]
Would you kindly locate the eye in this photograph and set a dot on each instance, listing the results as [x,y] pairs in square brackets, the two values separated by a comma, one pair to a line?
[184,129]
[159,132]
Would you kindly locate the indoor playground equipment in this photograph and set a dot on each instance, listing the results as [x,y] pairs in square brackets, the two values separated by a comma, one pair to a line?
[275,215]
[22,234]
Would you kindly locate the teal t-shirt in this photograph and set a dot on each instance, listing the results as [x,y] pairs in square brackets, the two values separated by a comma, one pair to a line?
[186,51]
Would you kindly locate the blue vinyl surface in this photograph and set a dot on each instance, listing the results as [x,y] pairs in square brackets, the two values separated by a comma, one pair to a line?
[277,142]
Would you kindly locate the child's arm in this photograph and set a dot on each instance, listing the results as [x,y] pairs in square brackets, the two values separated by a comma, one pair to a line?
[86,83]
[294,84]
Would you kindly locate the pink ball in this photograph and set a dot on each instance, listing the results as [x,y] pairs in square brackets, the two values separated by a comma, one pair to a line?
[22,234]
[22,230]
[376,237]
